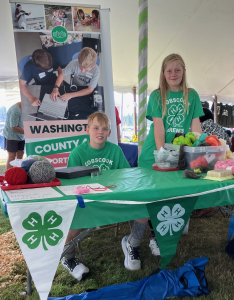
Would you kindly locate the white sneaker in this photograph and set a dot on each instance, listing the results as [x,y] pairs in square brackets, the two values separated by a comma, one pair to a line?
[132,259]
[154,247]
[76,269]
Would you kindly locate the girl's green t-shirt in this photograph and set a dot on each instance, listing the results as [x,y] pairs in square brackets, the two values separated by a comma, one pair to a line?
[175,120]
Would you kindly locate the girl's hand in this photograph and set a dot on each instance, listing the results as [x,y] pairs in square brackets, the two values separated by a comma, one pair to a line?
[154,165]
[66,97]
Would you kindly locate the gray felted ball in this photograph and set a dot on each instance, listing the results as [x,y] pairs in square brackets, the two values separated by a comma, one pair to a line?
[28,162]
[41,172]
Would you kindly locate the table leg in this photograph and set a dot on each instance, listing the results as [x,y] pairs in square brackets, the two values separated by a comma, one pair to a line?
[77,239]
[29,283]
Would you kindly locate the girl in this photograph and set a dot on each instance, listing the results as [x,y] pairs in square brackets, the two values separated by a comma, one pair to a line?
[173,108]
[80,15]
[95,17]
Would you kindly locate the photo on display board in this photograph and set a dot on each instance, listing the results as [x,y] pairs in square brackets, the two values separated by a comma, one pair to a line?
[27,16]
[39,65]
[58,15]
[86,19]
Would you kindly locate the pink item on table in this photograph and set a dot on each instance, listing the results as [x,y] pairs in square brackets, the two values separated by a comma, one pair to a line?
[81,190]
[227,164]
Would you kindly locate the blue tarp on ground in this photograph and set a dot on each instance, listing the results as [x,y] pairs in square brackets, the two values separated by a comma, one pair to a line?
[188,280]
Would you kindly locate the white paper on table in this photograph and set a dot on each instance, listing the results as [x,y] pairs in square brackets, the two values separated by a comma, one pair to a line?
[32,194]
[69,189]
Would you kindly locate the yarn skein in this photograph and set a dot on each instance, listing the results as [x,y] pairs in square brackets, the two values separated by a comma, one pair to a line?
[16,176]
[41,172]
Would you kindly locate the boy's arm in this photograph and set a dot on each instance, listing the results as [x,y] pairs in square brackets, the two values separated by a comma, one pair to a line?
[33,100]
[55,93]
[84,92]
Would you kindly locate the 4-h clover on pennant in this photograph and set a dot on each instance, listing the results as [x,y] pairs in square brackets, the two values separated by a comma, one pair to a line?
[42,232]
[170,219]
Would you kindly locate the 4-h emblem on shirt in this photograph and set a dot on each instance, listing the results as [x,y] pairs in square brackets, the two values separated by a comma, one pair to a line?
[170,219]
[42,232]
[175,115]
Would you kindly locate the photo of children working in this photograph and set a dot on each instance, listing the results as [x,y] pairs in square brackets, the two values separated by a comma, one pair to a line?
[86,19]
[58,16]
[70,90]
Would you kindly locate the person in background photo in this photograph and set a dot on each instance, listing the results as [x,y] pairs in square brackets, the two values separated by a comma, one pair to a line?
[20,16]
[64,19]
[86,73]
[13,133]
[41,68]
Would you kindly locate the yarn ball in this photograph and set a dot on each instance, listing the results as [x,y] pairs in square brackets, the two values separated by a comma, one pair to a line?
[38,158]
[28,162]
[26,169]
[15,176]
[41,172]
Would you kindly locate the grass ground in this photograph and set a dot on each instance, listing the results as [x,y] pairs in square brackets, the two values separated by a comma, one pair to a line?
[2,166]
[207,237]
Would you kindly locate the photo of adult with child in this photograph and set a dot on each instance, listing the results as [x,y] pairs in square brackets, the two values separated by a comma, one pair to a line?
[86,19]
[27,16]
[58,16]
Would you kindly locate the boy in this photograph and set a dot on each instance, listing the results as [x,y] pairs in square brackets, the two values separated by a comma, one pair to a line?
[97,152]
[85,71]
[41,68]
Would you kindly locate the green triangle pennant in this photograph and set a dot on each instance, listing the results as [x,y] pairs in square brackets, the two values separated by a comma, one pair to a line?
[169,219]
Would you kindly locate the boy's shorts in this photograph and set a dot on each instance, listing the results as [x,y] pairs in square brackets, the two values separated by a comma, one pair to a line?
[64,20]
[13,145]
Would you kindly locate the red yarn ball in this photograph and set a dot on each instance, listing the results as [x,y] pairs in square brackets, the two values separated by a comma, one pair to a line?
[15,176]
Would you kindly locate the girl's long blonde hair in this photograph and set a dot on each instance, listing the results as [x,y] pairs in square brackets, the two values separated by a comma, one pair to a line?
[164,87]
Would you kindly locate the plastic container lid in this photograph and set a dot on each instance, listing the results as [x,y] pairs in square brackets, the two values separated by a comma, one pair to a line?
[206,149]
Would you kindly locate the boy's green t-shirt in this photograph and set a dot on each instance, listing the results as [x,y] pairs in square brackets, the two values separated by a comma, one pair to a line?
[109,157]
[175,120]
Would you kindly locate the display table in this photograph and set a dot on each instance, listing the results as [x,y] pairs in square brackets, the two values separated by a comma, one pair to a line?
[136,187]
[137,193]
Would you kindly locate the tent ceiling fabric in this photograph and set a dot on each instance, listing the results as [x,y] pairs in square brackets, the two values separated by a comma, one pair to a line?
[200,30]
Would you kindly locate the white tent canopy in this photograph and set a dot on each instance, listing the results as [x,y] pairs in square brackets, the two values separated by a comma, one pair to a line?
[201,31]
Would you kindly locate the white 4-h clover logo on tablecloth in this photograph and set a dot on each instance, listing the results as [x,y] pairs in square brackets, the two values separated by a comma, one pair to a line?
[42,232]
[170,219]
[175,115]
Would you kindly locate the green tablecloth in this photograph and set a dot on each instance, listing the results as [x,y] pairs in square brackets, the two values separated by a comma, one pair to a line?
[167,197]
[137,186]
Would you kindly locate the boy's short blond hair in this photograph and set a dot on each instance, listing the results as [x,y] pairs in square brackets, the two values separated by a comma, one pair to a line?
[101,117]
[87,58]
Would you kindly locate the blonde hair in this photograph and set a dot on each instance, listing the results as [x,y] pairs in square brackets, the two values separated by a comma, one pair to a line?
[87,58]
[101,118]
[164,87]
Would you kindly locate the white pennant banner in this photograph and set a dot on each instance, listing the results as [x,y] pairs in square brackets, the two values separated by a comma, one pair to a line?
[41,230]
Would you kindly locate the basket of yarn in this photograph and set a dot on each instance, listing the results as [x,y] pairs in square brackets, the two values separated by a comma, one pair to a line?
[35,171]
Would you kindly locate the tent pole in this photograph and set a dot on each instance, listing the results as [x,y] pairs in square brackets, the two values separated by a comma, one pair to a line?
[135,114]
[215,109]
[142,71]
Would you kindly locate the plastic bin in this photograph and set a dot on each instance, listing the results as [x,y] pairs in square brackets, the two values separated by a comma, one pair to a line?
[196,156]
[166,160]
[171,147]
